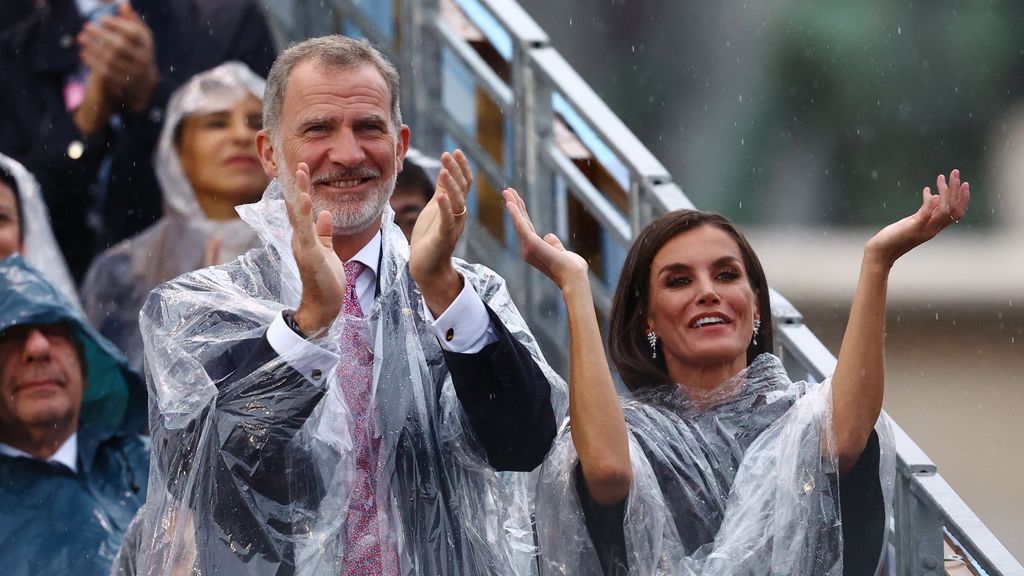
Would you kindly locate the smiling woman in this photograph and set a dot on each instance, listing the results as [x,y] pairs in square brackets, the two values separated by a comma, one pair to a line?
[719,464]
[207,165]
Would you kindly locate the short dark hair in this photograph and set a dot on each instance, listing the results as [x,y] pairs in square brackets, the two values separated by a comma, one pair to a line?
[628,347]
[8,179]
[414,177]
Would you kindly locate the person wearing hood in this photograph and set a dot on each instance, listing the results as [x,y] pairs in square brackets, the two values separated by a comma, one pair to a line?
[342,401]
[72,462]
[85,86]
[25,227]
[207,165]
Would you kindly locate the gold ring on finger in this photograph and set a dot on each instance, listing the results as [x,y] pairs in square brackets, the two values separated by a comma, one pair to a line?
[463,213]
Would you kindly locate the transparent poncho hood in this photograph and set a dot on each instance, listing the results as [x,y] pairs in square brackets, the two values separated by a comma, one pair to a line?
[40,247]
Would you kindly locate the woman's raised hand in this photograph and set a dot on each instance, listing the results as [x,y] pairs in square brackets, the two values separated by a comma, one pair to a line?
[545,254]
[937,211]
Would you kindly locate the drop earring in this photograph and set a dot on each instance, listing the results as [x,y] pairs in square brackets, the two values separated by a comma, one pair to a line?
[757,328]
[652,339]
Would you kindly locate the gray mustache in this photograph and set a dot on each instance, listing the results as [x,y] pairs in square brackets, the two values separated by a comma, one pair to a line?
[356,174]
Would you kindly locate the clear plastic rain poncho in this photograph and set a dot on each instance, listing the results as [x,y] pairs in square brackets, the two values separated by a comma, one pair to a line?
[746,486]
[253,464]
[40,247]
[121,278]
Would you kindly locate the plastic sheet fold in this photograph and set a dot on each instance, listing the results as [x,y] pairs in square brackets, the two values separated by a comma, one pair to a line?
[745,486]
[40,248]
[253,463]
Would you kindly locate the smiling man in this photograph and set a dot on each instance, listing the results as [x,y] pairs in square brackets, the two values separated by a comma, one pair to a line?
[72,468]
[343,401]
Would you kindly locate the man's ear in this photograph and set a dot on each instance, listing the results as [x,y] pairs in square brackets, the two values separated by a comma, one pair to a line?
[402,146]
[265,150]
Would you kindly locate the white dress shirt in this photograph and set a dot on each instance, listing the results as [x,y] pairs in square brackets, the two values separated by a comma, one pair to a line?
[466,319]
[66,455]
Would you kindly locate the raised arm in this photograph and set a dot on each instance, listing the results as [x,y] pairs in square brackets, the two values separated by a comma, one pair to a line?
[598,426]
[859,381]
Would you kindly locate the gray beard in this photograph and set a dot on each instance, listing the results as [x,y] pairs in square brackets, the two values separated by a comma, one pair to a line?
[351,216]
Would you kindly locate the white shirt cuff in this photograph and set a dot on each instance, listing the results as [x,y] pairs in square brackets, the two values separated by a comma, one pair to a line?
[465,327]
[303,356]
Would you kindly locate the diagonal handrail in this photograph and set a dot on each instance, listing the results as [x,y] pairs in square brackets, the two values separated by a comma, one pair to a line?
[542,90]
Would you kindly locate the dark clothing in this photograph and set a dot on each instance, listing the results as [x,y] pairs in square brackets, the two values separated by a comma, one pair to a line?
[263,484]
[860,500]
[56,521]
[743,482]
[39,53]
[512,418]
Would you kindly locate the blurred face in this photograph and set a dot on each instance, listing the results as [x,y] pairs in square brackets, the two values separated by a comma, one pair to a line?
[339,123]
[41,383]
[218,153]
[701,304]
[9,224]
[407,204]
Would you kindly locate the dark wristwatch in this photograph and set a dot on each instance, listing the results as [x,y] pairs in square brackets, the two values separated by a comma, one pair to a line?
[289,319]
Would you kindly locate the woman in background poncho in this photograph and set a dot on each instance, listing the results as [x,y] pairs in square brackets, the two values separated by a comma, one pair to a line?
[24,214]
[719,464]
[206,163]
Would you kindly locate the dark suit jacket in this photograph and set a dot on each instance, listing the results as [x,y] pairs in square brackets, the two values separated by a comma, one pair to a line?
[503,391]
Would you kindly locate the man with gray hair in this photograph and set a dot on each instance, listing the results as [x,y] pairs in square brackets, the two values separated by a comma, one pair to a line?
[343,401]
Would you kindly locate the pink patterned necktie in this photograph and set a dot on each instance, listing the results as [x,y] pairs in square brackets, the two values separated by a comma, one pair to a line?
[363,550]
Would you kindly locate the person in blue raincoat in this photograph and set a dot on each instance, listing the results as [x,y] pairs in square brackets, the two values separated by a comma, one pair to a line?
[73,466]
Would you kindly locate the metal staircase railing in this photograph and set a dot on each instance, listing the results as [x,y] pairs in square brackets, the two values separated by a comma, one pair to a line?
[481,75]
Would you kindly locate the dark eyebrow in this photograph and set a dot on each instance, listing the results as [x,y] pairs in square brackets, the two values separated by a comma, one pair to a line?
[314,121]
[673,267]
[371,120]
[680,267]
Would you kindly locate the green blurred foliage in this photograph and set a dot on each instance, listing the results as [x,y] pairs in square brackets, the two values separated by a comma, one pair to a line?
[895,90]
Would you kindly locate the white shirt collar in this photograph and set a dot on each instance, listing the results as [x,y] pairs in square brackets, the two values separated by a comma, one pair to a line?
[66,455]
[86,7]
[366,283]
[369,254]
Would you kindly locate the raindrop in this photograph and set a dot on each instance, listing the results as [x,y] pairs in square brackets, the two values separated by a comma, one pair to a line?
[899,30]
